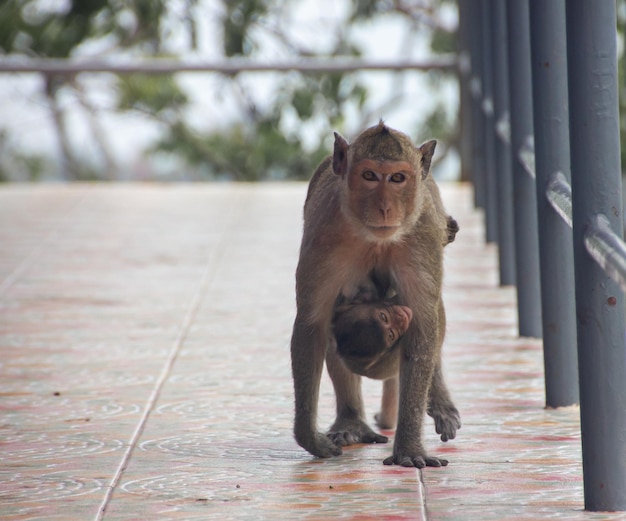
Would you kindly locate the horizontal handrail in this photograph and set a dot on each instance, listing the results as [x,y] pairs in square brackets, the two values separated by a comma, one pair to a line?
[607,249]
[559,194]
[601,242]
[230,66]
[503,127]
[475,87]
[526,155]
[487,106]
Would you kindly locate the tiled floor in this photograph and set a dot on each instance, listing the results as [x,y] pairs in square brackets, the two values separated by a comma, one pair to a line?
[145,374]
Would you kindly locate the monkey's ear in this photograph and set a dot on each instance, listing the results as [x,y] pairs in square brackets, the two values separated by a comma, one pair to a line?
[340,155]
[427,150]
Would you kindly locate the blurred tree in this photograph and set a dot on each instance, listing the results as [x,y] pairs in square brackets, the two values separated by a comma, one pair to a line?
[267,141]
[260,147]
[31,28]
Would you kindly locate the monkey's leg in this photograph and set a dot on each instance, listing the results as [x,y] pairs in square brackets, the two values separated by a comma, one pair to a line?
[387,418]
[308,348]
[349,427]
[416,371]
[440,406]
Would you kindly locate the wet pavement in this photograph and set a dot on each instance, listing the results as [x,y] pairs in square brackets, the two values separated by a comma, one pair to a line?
[145,371]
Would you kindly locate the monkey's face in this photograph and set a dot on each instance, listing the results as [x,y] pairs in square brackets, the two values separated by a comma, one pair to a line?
[368,331]
[382,196]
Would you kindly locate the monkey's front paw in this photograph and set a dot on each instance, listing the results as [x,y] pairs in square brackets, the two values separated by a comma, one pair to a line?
[419,461]
[447,420]
[320,445]
[350,432]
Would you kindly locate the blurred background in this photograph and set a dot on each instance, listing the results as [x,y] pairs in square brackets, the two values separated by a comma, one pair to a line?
[209,126]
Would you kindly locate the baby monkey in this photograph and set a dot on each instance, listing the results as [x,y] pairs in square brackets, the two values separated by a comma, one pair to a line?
[367,327]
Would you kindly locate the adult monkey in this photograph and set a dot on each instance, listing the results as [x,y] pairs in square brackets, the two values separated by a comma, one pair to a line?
[372,207]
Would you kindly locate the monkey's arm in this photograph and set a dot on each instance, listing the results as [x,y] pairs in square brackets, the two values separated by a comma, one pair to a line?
[417,366]
[419,284]
[441,408]
[308,350]
[315,296]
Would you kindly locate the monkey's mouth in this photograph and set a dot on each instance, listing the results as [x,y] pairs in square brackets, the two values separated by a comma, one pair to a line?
[383,230]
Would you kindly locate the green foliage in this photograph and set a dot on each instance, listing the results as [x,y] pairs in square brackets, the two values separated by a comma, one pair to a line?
[57,30]
[10,22]
[25,27]
[364,9]
[443,42]
[259,149]
[151,94]
[437,123]
[325,95]
[239,18]
[148,15]
[238,154]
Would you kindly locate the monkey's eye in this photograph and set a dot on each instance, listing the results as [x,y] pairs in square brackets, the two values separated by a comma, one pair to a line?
[392,337]
[383,317]
[398,177]
[368,175]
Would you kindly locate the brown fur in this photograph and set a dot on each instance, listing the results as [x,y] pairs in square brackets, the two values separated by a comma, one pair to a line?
[356,221]
[361,335]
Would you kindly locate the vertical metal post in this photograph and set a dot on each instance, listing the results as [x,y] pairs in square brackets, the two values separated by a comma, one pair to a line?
[465,97]
[551,124]
[596,189]
[491,201]
[501,138]
[474,14]
[524,191]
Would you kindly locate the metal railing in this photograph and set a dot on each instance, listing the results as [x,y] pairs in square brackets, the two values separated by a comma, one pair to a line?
[561,138]
[606,247]
[559,194]
[230,66]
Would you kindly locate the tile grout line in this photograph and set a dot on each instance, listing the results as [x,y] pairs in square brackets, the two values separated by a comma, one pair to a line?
[205,282]
[422,489]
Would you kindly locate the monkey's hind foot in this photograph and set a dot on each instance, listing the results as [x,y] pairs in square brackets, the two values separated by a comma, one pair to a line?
[352,431]
[383,422]
[415,461]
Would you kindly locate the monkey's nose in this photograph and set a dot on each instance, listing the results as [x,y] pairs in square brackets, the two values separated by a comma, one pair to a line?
[385,210]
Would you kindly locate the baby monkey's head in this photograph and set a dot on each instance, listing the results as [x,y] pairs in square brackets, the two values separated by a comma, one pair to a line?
[366,331]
